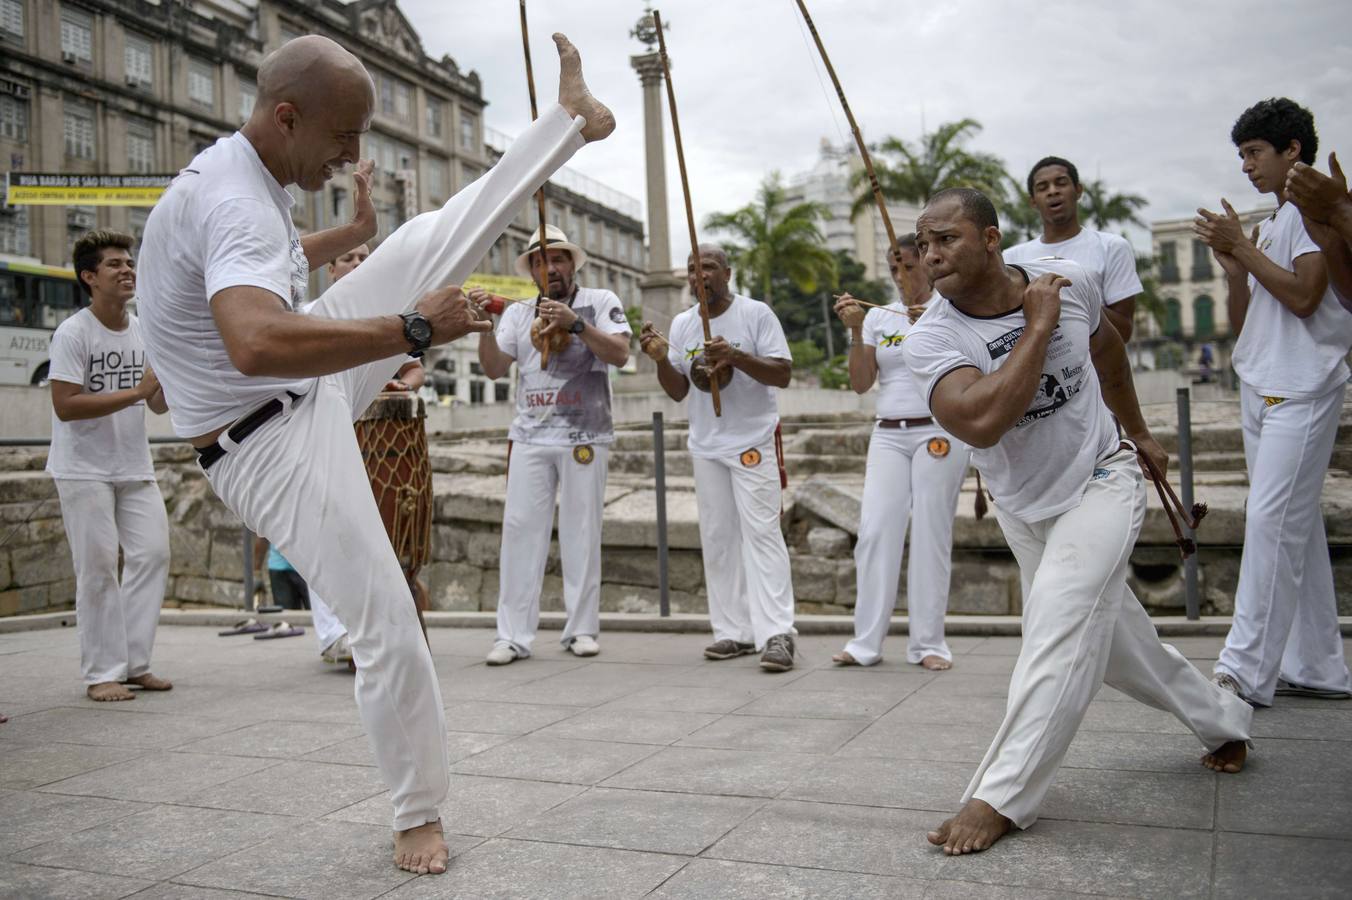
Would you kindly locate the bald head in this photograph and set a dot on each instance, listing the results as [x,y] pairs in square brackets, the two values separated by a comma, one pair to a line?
[310,71]
[714,251]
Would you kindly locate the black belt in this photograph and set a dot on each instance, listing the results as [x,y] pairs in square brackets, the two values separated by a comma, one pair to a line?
[208,455]
[905,423]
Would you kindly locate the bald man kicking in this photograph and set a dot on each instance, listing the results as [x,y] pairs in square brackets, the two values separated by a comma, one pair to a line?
[268,395]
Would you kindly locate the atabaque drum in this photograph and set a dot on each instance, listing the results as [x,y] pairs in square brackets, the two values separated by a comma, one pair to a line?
[392,434]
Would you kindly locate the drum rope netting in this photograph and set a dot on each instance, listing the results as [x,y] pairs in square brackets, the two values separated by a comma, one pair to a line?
[395,454]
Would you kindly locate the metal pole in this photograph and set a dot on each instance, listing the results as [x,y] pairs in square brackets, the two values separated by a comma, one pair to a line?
[248,568]
[830,338]
[1191,600]
[660,479]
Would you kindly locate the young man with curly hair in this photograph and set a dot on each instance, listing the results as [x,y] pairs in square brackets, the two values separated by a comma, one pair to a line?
[1293,337]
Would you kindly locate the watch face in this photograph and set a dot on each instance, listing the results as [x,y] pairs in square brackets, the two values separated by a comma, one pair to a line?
[418,330]
[577,327]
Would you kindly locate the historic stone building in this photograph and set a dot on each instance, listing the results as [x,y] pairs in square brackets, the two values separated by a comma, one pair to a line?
[141,86]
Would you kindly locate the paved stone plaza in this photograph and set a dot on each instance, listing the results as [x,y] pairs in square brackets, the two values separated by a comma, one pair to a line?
[642,772]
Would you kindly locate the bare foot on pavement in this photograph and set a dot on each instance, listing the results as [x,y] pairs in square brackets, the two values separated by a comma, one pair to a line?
[935,663]
[107,691]
[576,98]
[1229,758]
[976,827]
[149,682]
[421,850]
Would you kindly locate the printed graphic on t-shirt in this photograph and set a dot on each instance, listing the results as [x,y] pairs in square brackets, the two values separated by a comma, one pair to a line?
[113,370]
[891,340]
[300,273]
[1058,385]
[581,403]
[699,367]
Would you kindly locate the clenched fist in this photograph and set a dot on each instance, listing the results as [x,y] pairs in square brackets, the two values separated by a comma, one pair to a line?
[850,312]
[1042,300]
[653,344]
[451,315]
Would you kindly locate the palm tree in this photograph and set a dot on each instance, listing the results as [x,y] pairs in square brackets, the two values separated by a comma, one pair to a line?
[1104,209]
[772,238]
[914,174]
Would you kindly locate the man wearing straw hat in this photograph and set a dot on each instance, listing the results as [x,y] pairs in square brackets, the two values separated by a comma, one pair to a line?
[559,442]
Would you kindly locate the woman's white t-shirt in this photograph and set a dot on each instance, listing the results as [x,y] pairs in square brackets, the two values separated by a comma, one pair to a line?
[85,352]
[899,394]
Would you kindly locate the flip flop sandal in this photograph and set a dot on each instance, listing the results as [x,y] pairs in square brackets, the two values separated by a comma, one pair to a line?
[247,626]
[280,630]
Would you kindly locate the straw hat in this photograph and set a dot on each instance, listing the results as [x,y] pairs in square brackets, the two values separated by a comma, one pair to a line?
[554,237]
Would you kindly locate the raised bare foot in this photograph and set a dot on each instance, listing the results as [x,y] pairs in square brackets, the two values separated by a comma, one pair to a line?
[3,719]
[106,691]
[936,663]
[844,658]
[149,682]
[576,98]
[976,827]
[421,850]
[1229,758]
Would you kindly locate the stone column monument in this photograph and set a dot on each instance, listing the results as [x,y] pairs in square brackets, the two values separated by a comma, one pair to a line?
[660,290]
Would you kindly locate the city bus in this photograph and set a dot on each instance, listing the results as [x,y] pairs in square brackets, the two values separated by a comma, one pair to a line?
[34,299]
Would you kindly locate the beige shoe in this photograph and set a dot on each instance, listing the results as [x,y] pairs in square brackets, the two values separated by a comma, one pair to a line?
[502,654]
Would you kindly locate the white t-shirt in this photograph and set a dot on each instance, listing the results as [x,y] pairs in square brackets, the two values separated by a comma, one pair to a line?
[899,396]
[224,222]
[1039,468]
[568,403]
[1279,354]
[111,447]
[750,408]
[1108,258]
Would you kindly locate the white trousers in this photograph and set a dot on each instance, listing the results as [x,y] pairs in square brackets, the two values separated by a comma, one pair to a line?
[1083,627]
[1286,614]
[746,562]
[116,621]
[300,482]
[327,627]
[535,474]
[905,475]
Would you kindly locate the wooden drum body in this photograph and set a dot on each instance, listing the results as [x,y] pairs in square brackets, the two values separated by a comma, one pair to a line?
[392,434]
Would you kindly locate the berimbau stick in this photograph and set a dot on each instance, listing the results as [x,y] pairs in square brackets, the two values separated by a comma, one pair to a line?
[540,194]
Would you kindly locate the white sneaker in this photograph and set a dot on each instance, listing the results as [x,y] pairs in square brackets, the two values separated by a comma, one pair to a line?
[501,654]
[340,651]
[584,645]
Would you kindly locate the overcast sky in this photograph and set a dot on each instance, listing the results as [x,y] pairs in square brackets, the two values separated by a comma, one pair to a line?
[1139,93]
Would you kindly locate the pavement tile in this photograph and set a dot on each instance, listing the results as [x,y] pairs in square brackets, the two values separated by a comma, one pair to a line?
[910,740]
[1092,858]
[705,878]
[997,646]
[821,704]
[968,890]
[1251,865]
[20,881]
[1289,787]
[898,783]
[31,765]
[639,820]
[972,664]
[1179,754]
[485,681]
[1331,722]
[739,773]
[1133,798]
[325,860]
[858,680]
[160,842]
[357,751]
[553,759]
[474,806]
[512,869]
[685,699]
[1107,715]
[275,740]
[775,734]
[932,709]
[503,718]
[957,684]
[159,777]
[167,890]
[727,675]
[862,839]
[28,819]
[100,727]
[631,726]
[309,789]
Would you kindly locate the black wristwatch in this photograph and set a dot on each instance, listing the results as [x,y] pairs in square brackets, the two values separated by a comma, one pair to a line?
[578,326]
[418,332]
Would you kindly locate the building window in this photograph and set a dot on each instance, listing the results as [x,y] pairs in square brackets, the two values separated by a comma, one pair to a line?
[468,174]
[13,227]
[77,35]
[594,235]
[140,145]
[137,56]
[80,219]
[11,18]
[433,117]
[1203,317]
[288,32]
[136,222]
[1173,318]
[13,118]
[78,129]
[435,173]
[248,96]
[1168,262]
[476,391]
[469,131]
[202,83]
[396,96]
[1201,262]
[501,392]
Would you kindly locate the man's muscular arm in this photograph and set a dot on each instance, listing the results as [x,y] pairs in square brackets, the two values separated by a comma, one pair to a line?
[979,409]
[1301,291]
[656,348]
[1122,316]
[1119,392]
[765,369]
[323,247]
[72,402]
[263,337]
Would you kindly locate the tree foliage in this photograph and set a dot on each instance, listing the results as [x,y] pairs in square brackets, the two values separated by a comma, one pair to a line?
[1101,208]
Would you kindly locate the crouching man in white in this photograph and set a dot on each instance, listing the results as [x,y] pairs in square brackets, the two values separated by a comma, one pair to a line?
[559,443]
[268,396]
[736,459]
[101,463]
[1015,363]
